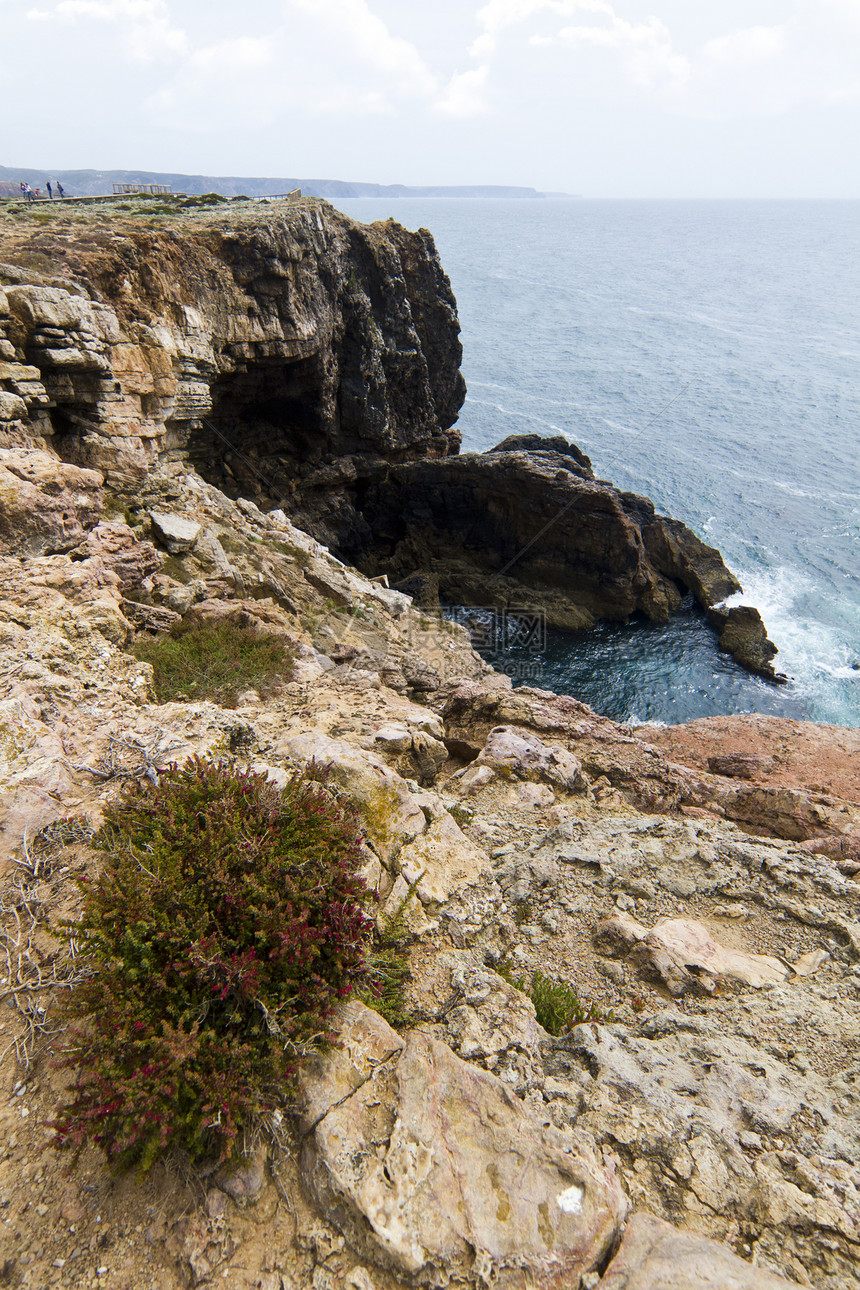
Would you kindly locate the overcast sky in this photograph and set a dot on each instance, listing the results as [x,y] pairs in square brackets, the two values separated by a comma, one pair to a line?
[628,98]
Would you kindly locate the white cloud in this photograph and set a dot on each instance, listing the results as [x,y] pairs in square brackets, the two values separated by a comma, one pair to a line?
[811,58]
[465,94]
[645,49]
[146,27]
[326,58]
[396,59]
[497,15]
[749,45]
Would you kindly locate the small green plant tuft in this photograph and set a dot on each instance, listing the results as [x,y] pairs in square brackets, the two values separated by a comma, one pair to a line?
[228,920]
[558,1008]
[523,911]
[216,660]
[462,814]
[301,557]
[388,965]
[176,568]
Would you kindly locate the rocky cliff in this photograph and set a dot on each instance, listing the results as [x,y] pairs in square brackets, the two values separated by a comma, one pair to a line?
[306,361]
[696,889]
[257,347]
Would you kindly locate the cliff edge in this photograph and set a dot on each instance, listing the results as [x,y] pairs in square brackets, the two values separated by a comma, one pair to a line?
[312,363]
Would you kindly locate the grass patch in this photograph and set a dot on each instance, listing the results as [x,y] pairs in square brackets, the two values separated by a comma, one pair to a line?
[176,568]
[216,660]
[230,542]
[557,1006]
[296,553]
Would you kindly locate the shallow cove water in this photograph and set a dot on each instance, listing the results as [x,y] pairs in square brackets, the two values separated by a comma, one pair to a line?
[704,354]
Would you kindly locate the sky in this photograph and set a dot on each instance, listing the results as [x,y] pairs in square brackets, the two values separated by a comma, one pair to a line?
[599,98]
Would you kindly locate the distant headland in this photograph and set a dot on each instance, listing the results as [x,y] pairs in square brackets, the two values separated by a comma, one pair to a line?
[89,183]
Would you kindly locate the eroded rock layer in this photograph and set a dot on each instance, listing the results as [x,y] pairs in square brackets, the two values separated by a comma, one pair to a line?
[259,347]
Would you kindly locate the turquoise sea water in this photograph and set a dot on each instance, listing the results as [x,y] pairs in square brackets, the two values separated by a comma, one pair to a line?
[707,355]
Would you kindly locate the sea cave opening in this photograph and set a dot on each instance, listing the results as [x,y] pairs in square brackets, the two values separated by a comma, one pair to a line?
[268,428]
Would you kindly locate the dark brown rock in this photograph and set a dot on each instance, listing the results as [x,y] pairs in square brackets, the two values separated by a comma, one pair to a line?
[744,636]
[522,529]
[738,766]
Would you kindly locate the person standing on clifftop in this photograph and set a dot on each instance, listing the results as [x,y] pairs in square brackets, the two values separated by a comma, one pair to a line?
[60,189]
[50,193]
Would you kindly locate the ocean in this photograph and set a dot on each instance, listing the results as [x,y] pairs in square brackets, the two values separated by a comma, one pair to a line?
[704,354]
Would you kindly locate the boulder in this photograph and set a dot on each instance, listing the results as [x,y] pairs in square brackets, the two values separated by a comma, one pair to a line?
[522,755]
[433,1169]
[683,954]
[174,533]
[744,636]
[46,505]
[116,545]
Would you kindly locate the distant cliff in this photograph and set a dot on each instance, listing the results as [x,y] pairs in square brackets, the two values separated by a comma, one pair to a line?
[90,182]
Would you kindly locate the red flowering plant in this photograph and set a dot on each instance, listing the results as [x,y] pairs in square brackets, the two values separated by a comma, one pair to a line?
[227,921]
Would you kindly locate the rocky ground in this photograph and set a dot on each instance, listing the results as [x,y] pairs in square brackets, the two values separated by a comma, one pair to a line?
[695,888]
[703,910]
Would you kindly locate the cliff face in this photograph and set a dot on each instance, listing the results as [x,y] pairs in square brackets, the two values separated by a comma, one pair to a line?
[258,345]
[310,363]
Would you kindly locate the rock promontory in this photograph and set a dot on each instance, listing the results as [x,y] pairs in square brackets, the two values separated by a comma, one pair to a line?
[311,363]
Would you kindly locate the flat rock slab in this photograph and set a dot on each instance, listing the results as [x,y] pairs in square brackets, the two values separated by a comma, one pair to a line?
[174,533]
[432,1168]
[685,956]
[656,1256]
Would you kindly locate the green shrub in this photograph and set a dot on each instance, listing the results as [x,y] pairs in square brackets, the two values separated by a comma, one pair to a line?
[227,921]
[557,1007]
[215,660]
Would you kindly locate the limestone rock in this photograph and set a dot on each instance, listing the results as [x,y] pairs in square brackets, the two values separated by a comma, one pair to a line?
[116,545]
[281,304]
[391,813]
[433,1169]
[519,753]
[12,408]
[655,1256]
[685,956]
[442,861]
[175,534]
[46,506]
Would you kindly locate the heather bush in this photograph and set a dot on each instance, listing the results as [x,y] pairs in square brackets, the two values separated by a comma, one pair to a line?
[226,923]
